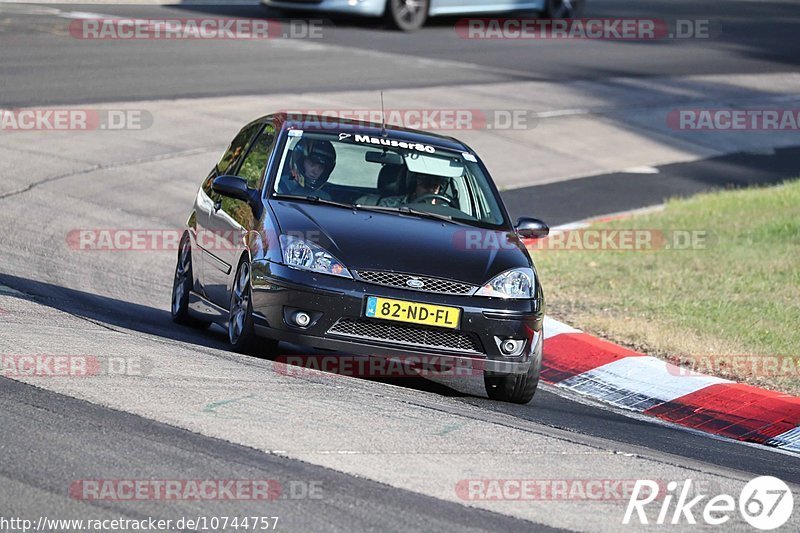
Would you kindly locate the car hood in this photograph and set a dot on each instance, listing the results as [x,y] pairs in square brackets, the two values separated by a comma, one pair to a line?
[365,240]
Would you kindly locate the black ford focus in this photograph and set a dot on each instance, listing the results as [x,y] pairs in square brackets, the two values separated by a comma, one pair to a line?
[364,240]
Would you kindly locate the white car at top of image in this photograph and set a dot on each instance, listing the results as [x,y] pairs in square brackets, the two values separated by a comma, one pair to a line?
[410,15]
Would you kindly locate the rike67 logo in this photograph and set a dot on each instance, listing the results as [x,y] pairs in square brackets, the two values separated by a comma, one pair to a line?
[766,503]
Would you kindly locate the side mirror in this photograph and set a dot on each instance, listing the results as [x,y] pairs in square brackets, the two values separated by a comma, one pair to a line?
[532,228]
[236,187]
[231,186]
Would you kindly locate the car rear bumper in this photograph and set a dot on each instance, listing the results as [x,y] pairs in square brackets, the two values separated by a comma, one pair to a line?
[376,8]
[373,8]
[338,322]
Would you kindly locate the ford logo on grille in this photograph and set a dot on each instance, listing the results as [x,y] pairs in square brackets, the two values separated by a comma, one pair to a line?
[416,283]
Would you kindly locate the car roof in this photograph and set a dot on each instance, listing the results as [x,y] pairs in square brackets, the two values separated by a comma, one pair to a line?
[324,123]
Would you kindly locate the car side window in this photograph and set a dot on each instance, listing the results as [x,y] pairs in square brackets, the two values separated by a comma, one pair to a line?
[484,207]
[254,165]
[207,183]
[252,168]
[237,148]
[230,158]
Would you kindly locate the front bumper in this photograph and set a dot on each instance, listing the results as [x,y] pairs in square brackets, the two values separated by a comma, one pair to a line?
[279,291]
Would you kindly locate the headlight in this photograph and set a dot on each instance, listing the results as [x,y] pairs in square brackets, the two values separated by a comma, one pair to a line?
[308,256]
[514,283]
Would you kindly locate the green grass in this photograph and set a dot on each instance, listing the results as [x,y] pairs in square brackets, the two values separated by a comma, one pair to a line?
[737,295]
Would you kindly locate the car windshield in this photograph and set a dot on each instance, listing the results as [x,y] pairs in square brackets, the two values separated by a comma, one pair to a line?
[387,175]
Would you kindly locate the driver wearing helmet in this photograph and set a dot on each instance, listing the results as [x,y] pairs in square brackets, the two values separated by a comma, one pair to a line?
[425,190]
[310,166]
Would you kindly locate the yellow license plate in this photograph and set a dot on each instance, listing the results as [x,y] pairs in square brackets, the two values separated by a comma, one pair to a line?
[413,312]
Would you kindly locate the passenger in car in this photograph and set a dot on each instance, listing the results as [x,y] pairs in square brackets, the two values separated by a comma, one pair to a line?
[426,186]
[391,182]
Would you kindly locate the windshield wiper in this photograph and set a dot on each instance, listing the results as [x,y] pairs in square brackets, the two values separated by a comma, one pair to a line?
[313,199]
[405,210]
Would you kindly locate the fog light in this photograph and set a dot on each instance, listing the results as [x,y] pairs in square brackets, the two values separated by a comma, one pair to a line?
[301,319]
[511,347]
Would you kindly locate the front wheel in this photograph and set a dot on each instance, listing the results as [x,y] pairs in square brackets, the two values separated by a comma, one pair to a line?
[564,9]
[241,333]
[407,15]
[516,388]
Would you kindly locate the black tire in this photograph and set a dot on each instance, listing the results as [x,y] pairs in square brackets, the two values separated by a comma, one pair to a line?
[241,333]
[564,9]
[407,15]
[181,286]
[516,388]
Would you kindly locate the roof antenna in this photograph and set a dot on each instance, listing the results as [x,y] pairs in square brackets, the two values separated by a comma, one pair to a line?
[383,118]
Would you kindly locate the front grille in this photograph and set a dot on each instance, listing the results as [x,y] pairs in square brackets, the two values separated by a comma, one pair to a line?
[399,280]
[405,335]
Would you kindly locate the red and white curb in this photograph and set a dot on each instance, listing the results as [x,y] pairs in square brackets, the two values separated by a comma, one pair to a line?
[604,371]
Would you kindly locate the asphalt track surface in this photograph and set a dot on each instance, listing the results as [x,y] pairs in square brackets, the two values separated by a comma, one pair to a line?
[157,451]
[41,58]
[51,439]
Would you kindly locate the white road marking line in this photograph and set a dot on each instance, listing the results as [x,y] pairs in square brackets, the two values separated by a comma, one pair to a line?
[563,113]
[789,440]
[553,327]
[641,170]
[55,12]
[8,291]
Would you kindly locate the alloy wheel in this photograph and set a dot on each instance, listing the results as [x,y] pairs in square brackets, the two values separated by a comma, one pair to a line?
[408,14]
[240,303]
[183,270]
